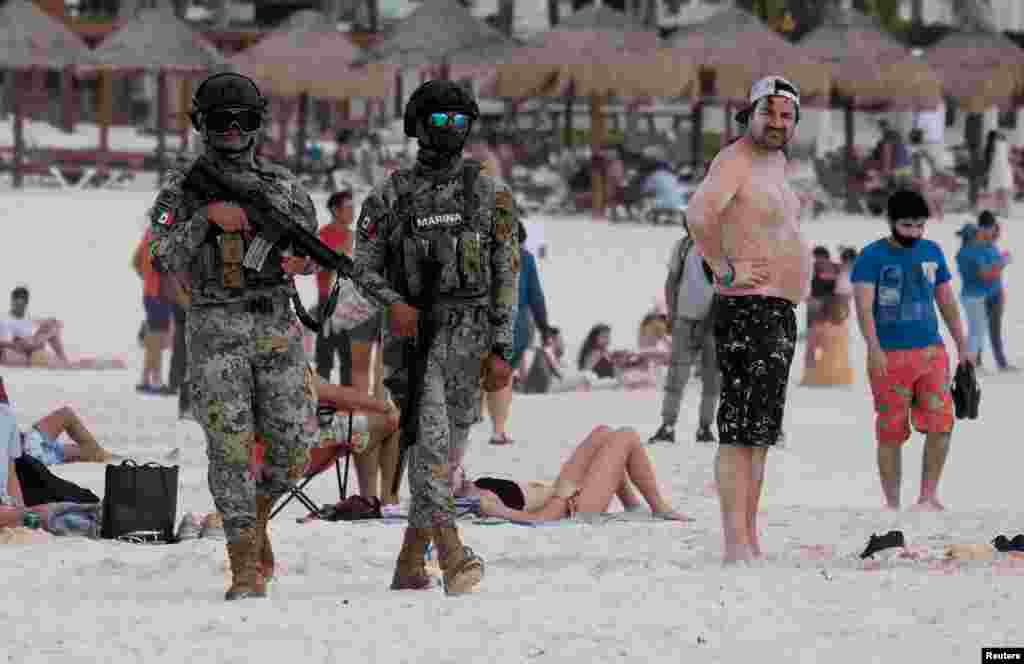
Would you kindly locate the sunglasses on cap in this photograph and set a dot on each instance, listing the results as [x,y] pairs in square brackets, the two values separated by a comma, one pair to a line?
[246,119]
[441,119]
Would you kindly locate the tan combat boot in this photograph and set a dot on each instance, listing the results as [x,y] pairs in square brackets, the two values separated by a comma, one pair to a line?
[264,506]
[462,568]
[246,579]
[411,570]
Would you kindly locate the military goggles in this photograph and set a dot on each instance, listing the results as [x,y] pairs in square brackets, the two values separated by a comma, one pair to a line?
[245,119]
[441,119]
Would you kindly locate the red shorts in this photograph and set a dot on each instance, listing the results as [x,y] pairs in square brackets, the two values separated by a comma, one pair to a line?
[916,386]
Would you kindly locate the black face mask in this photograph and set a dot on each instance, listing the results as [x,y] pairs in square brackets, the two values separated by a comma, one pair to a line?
[440,146]
[905,241]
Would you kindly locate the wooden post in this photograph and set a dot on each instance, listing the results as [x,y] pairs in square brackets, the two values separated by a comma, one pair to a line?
[973,129]
[728,123]
[67,100]
[598,135]
[301,133]
[161,125]
[106,107]
[570,97]
[19,128]
[852,206]
[697,137]
[184,103]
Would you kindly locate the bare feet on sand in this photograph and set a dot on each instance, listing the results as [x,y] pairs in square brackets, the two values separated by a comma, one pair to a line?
[929,505]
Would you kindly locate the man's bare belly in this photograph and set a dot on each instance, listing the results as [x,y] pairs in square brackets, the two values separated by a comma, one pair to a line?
[769,232]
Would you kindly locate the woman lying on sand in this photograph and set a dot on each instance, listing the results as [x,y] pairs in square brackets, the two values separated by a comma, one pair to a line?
[600,467]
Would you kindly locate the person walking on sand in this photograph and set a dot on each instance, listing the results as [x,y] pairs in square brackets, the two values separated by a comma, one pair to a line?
[745,220]
[897,282]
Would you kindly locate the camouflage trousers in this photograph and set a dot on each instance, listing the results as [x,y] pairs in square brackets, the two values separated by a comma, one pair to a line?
[449,406]
[249,378]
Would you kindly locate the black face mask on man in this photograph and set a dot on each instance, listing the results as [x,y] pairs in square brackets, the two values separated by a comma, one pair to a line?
[444,133]
[902,239]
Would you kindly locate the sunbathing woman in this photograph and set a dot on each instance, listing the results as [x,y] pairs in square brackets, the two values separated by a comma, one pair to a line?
[600,467]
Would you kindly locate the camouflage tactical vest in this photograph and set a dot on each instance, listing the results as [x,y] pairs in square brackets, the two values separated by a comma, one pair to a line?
[444,225]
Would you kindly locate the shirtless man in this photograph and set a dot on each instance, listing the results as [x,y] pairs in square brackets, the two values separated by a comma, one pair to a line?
[745,220]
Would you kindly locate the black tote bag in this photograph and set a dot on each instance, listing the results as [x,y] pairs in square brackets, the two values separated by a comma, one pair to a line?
[140,498]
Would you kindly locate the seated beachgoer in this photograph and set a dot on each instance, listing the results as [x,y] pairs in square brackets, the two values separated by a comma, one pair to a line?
[596,355]
[21,336]
[43,441]
[550,373]
[12,504]
[601,467]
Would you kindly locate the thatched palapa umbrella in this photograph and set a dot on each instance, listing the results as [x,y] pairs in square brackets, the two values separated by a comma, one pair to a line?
[734,49]
[438,34]
[155,40]
[31,40]
[870,70]
[594,61]
[979,68]
[309,57]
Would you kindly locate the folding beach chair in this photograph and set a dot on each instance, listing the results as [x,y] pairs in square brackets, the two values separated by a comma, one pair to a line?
[321,458]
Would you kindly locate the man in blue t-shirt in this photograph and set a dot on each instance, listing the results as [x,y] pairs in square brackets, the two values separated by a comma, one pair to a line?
[897,282]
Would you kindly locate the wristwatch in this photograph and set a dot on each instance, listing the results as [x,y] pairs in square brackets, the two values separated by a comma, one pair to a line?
[504,351]
[729,277]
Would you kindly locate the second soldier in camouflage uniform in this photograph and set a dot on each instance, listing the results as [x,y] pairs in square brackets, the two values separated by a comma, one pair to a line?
[247,368]
[442,211]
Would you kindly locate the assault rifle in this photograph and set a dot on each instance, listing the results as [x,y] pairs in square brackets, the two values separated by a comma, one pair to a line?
[273,228]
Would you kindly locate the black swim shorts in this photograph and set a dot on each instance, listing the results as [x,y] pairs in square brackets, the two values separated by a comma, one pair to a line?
[755,337]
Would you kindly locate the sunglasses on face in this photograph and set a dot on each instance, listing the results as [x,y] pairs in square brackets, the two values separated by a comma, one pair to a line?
[911,223]
[440,120]
[245,119]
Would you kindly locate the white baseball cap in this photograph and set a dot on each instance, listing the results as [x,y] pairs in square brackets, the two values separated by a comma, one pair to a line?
[769,86]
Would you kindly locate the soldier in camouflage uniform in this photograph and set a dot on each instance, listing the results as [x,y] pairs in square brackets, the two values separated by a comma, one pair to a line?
[442,211]
[248,372]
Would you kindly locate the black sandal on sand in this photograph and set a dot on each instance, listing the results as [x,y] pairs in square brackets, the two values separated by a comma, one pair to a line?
[876,543]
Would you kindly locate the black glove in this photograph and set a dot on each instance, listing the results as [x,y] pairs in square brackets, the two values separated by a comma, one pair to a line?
[966,392]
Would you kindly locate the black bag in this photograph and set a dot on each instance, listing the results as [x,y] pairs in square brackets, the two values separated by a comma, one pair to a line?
[39,486]
[140,499]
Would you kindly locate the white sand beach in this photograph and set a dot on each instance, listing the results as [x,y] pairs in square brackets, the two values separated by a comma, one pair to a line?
[629,591]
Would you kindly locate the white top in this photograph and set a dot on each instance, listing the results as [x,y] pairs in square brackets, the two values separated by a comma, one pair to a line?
[932,124]
[1001,175]
[16,328]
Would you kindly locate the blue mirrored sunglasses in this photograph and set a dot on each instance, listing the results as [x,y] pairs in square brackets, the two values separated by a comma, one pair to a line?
[441,119]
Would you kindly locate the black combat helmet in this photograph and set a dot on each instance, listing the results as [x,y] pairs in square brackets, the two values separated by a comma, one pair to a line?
[438,96]
[225,90]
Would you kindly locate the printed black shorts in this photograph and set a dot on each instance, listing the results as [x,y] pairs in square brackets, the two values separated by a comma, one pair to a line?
[755,337]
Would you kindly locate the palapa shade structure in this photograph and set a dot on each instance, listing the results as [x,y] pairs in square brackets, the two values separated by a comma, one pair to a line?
[30,39]
[435,33]
[869,68]
[737,49]
[155,40]
[593,58]
[870,71]
[307,55]
[979,68]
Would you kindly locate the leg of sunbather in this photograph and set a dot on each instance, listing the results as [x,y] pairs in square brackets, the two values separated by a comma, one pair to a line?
[623,452]
[49,332]
[65,419]
[627,496]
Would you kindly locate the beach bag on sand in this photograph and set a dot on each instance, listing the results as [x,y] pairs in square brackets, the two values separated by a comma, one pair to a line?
[39,486]
[140,502]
